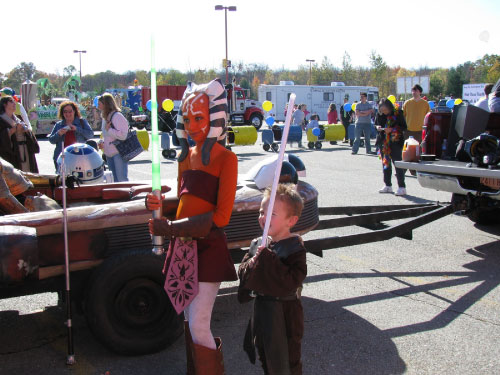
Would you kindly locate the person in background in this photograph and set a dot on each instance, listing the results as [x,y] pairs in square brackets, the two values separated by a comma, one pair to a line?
[414,110]
[18,144]
[494,98]
[275,274]
[332,114]
[483,102]
[72,128]
[313,122]
[364,111]
[114,127]
[345,117]
[391,124]
[298,116]
[298,119]
[306,113]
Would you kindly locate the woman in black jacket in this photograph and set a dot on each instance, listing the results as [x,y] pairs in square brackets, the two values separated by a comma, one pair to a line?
[18,144]
[391,124]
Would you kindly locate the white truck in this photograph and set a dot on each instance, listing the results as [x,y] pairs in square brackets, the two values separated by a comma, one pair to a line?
[317,98]
[474,184]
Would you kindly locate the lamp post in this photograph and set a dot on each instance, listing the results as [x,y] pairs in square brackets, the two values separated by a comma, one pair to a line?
[231,9]
[80,56]
[310,69]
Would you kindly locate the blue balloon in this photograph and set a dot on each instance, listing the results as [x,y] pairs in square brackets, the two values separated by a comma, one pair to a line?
[148,105]
[96,101]
[450,103]
[347,107]
[431,105]
[316,132]
[270,120]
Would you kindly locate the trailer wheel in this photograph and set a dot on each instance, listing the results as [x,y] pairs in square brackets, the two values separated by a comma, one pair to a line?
[318,145]
[310,145]
[484,215]
[256,120]
[127,308]
[165,154]
[275,147]
[172,154]
[266,146]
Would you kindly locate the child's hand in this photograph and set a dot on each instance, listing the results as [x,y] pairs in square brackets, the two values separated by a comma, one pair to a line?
[257,253]
[153,202]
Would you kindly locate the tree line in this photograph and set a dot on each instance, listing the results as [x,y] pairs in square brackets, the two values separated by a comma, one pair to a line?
[443,81]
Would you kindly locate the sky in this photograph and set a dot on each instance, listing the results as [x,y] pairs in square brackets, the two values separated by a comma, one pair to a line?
[189,34]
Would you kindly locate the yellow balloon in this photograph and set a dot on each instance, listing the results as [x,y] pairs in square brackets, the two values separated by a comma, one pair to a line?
[458,101]
[353,106]
[391,98]
[167,105]
[267,106]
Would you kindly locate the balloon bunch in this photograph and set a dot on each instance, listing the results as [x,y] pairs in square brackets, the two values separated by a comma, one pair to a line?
[267,106]
[167,105]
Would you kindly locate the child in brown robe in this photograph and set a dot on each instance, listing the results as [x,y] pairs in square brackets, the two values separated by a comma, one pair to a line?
[274,275]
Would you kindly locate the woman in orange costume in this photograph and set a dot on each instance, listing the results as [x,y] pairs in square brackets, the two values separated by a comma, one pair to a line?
[206,189]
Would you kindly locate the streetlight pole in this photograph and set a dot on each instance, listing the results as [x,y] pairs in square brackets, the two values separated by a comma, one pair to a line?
[310,70]
[231,9]
[80,56]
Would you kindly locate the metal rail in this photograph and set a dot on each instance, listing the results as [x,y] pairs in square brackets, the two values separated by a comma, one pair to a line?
[422,214]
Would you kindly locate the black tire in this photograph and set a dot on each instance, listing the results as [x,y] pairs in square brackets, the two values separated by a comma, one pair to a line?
[484,215]
[228,147]
[275,147]
[318,145]
[127,308]
[172,153]
[310,145]
[266,146]
[166,154]
[256,120]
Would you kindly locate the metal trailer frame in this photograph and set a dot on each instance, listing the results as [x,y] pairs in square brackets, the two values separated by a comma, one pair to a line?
[373,218]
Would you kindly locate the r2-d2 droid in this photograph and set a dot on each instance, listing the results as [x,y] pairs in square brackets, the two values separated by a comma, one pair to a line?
[82,162]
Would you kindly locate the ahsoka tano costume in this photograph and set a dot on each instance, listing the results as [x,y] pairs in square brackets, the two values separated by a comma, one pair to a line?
[206,189]
[277,325]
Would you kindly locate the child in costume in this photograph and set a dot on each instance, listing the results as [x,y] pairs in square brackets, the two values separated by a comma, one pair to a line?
[275,274]
[206,189]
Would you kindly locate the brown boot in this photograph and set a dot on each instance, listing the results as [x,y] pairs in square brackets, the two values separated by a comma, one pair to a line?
[208,361]
[189,349]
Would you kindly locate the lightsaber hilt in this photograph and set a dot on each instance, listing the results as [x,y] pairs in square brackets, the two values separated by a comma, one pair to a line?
[158,241]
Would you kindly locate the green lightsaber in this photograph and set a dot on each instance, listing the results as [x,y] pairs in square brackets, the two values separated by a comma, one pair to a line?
[155,152]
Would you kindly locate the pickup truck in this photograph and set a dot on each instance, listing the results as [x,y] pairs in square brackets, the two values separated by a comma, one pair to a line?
[475,189]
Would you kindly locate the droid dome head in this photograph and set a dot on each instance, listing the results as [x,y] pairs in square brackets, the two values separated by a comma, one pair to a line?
[83,162]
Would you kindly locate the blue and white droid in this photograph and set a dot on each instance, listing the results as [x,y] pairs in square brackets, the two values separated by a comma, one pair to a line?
[82,162]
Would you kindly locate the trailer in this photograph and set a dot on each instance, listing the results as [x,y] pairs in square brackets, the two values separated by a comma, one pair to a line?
[317,98]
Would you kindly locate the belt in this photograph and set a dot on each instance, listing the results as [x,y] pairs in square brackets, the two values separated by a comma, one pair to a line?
[292,297]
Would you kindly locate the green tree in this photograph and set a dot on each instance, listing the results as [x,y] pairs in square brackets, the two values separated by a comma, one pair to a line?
[454,82]
[69,71]
[348,73]
[436,86]
[379,73]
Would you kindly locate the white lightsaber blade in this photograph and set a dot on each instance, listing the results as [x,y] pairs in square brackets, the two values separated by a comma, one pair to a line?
[277,172]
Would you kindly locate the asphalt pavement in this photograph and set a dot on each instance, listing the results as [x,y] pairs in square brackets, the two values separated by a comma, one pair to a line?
[426,306]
